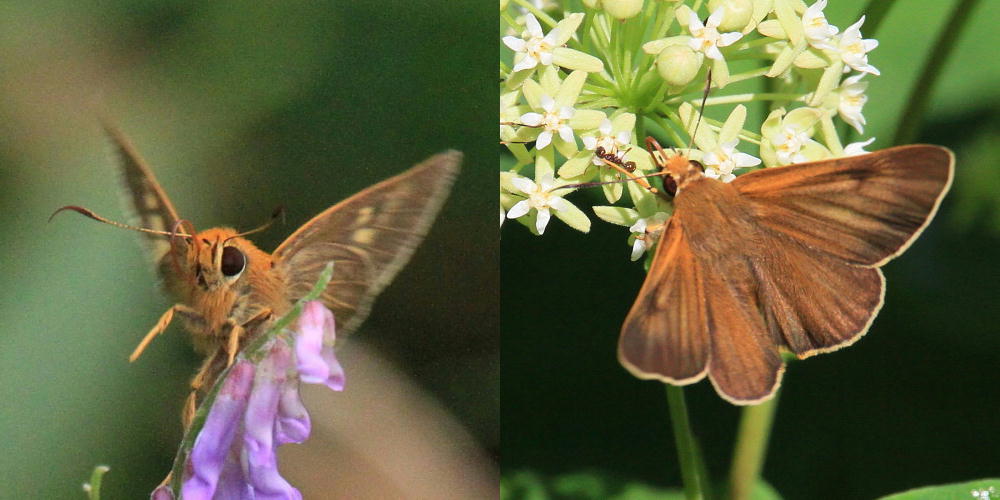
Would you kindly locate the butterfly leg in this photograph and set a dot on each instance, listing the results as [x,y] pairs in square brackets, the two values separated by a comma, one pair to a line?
[161,325]
[204,379]
[237,332]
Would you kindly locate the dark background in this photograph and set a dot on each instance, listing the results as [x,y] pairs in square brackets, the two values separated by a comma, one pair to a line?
[914,403]
[239,107]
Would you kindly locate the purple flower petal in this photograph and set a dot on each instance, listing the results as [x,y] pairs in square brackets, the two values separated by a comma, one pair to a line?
[232,486]
[211,447]
[336,378]
[293,423]
[162,492]
[315,324]
[259,455]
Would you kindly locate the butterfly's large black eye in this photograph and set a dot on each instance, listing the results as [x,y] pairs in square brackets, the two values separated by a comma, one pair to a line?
[233,261]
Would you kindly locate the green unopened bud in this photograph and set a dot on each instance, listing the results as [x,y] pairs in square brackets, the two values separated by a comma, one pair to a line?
[622,9]
[737,16]
[678,64]
[503,4]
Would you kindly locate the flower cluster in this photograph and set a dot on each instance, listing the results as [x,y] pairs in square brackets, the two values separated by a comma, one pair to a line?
[580,91]
[256,409]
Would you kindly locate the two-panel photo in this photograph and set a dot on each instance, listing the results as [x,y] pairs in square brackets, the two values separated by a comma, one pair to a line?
[746,250]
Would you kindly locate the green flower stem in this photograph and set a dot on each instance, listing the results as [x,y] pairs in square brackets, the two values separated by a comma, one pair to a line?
[750,97]
[665,125]
[538,13]
[665,19]
[910,120]
[751,448]
[507,18]
[692,467]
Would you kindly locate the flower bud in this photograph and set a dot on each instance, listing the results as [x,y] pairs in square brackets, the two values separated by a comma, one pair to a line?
[503,4]
[738,13]
[678,64]
[622,9]
[592,4]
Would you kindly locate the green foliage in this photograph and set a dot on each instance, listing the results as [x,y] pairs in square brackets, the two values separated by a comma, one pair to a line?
[982,489]
[595,485]
[93,488]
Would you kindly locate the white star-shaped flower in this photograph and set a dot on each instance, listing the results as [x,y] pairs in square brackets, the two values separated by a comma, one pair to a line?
[552,121]
[539,197]
[719,164]
[852,99]
[654,225]
[706,38]
[857,148]
[788,143]
[612,143]
[534,47]
[854,50]
[819,33]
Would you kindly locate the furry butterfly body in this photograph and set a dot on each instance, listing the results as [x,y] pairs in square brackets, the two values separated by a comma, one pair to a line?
[781,259]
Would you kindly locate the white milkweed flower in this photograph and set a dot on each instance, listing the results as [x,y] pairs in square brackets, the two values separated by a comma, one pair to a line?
[646,231]
[706,38]
[534,47]
[788,143]
[819,33]
[852,100]
[611,142]
[540,198]
[552,121]
[857,148]
[854,50]
[719,164]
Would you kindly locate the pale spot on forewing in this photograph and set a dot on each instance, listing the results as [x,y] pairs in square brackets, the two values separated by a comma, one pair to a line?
[364,236]
[364,216]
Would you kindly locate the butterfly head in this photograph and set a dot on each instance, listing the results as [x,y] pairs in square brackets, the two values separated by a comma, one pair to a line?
[683,170]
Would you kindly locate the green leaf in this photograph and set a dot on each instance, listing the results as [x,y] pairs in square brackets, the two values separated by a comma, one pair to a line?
[985,488]
[617,215]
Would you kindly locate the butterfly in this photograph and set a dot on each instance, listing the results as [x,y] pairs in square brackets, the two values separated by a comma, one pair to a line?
[780,259]
[228,290]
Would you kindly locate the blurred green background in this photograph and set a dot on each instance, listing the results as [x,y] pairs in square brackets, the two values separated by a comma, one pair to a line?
[914,403]
[239,107]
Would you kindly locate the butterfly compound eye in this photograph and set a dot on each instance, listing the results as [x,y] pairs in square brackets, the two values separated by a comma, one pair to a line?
[233,261]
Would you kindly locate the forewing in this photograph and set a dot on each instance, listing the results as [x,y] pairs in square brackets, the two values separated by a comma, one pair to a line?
[150,207]
[665,335]
[813,302]
[368,236]
[862,209]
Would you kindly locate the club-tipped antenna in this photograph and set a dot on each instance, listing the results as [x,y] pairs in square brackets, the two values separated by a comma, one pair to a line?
[90,213]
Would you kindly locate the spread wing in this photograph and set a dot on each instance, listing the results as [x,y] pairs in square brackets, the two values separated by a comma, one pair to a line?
[148,203]
[699,314]
[864,210]
[666,333]
[369,236]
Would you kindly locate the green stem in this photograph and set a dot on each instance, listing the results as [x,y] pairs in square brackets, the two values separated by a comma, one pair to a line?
[910,120]
[538,13]
[751,448]
[692,468]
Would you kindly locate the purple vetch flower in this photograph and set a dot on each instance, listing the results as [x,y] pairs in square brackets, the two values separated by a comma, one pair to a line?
[208,455]
[257,409]
[314,347]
